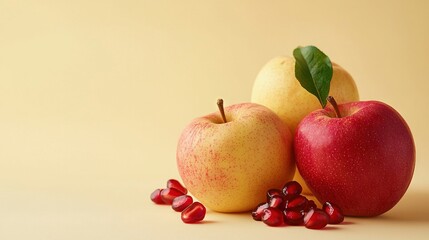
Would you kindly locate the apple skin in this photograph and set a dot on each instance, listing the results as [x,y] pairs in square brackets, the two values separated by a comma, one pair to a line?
[277,88]
[363,162]
[230,166]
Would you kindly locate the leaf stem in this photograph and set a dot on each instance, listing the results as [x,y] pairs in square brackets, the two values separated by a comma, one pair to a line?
[332,101]
[221,109]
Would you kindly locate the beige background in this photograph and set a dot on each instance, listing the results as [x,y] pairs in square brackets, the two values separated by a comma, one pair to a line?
[94,94]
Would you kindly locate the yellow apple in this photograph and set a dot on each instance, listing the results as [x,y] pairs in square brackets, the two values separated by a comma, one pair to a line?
[277,88]
[229,163]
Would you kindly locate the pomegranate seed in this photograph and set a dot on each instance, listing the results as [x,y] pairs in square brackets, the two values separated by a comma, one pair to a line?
[292,188]
[258,211]
[194,213]
[272,216]
[310,204]
[297,203]
[173,183]
[334,212]
[316,219]
[294,217]
[277,202]
[156,196]
[181,202]
[273,192]
[168,194]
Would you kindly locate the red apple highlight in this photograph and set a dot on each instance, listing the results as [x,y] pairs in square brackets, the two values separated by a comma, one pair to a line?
[363,161]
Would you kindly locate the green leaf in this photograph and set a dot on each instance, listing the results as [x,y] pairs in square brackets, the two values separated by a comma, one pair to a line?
[313,69]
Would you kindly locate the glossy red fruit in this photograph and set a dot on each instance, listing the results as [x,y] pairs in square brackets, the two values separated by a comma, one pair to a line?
[316,219]
[168,194]
[258,211]
[272,216]
[181,202]
[293,217]
[297,203]
[273,192]
[277,202]
[310,204]
[292,188]
[334,212]
[194,213]
[173,183]
[155,196]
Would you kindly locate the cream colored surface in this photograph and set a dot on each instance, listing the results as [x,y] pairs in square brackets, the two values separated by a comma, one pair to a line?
[94,95]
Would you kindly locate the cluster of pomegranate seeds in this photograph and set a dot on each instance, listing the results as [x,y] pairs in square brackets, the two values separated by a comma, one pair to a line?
[288,206]
[176,195]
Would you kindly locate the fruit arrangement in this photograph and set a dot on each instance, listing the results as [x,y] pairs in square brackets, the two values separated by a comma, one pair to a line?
[237,159]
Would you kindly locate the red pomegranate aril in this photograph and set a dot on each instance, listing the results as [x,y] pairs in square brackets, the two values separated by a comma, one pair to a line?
[258,211]
[292,188]
[277,202]
[155,196]
[273,192]
[193,213]
[316,219]
[272,216]
[297,203]
[334,212]
[173,183]
[294,217]
[181,202]
[168,194]
[310,204]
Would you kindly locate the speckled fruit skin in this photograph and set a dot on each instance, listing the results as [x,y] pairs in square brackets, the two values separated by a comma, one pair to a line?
[230,166]
[277,88]
[363,162]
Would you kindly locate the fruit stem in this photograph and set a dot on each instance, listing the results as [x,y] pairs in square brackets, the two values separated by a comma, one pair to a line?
[332,101]
[221,110]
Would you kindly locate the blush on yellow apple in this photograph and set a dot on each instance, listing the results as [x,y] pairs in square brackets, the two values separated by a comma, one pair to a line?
[277,88]
[228,161]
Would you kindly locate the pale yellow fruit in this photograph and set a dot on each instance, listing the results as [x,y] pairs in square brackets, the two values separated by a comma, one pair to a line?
[229,166]
[277,88]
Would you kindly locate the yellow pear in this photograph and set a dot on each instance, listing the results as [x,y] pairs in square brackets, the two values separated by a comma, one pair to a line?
[277,88]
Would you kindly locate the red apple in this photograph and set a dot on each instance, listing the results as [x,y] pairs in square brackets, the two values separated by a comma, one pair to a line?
[363,160]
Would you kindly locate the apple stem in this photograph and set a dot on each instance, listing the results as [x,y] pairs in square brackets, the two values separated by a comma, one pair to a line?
[221,110]
[332,101]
